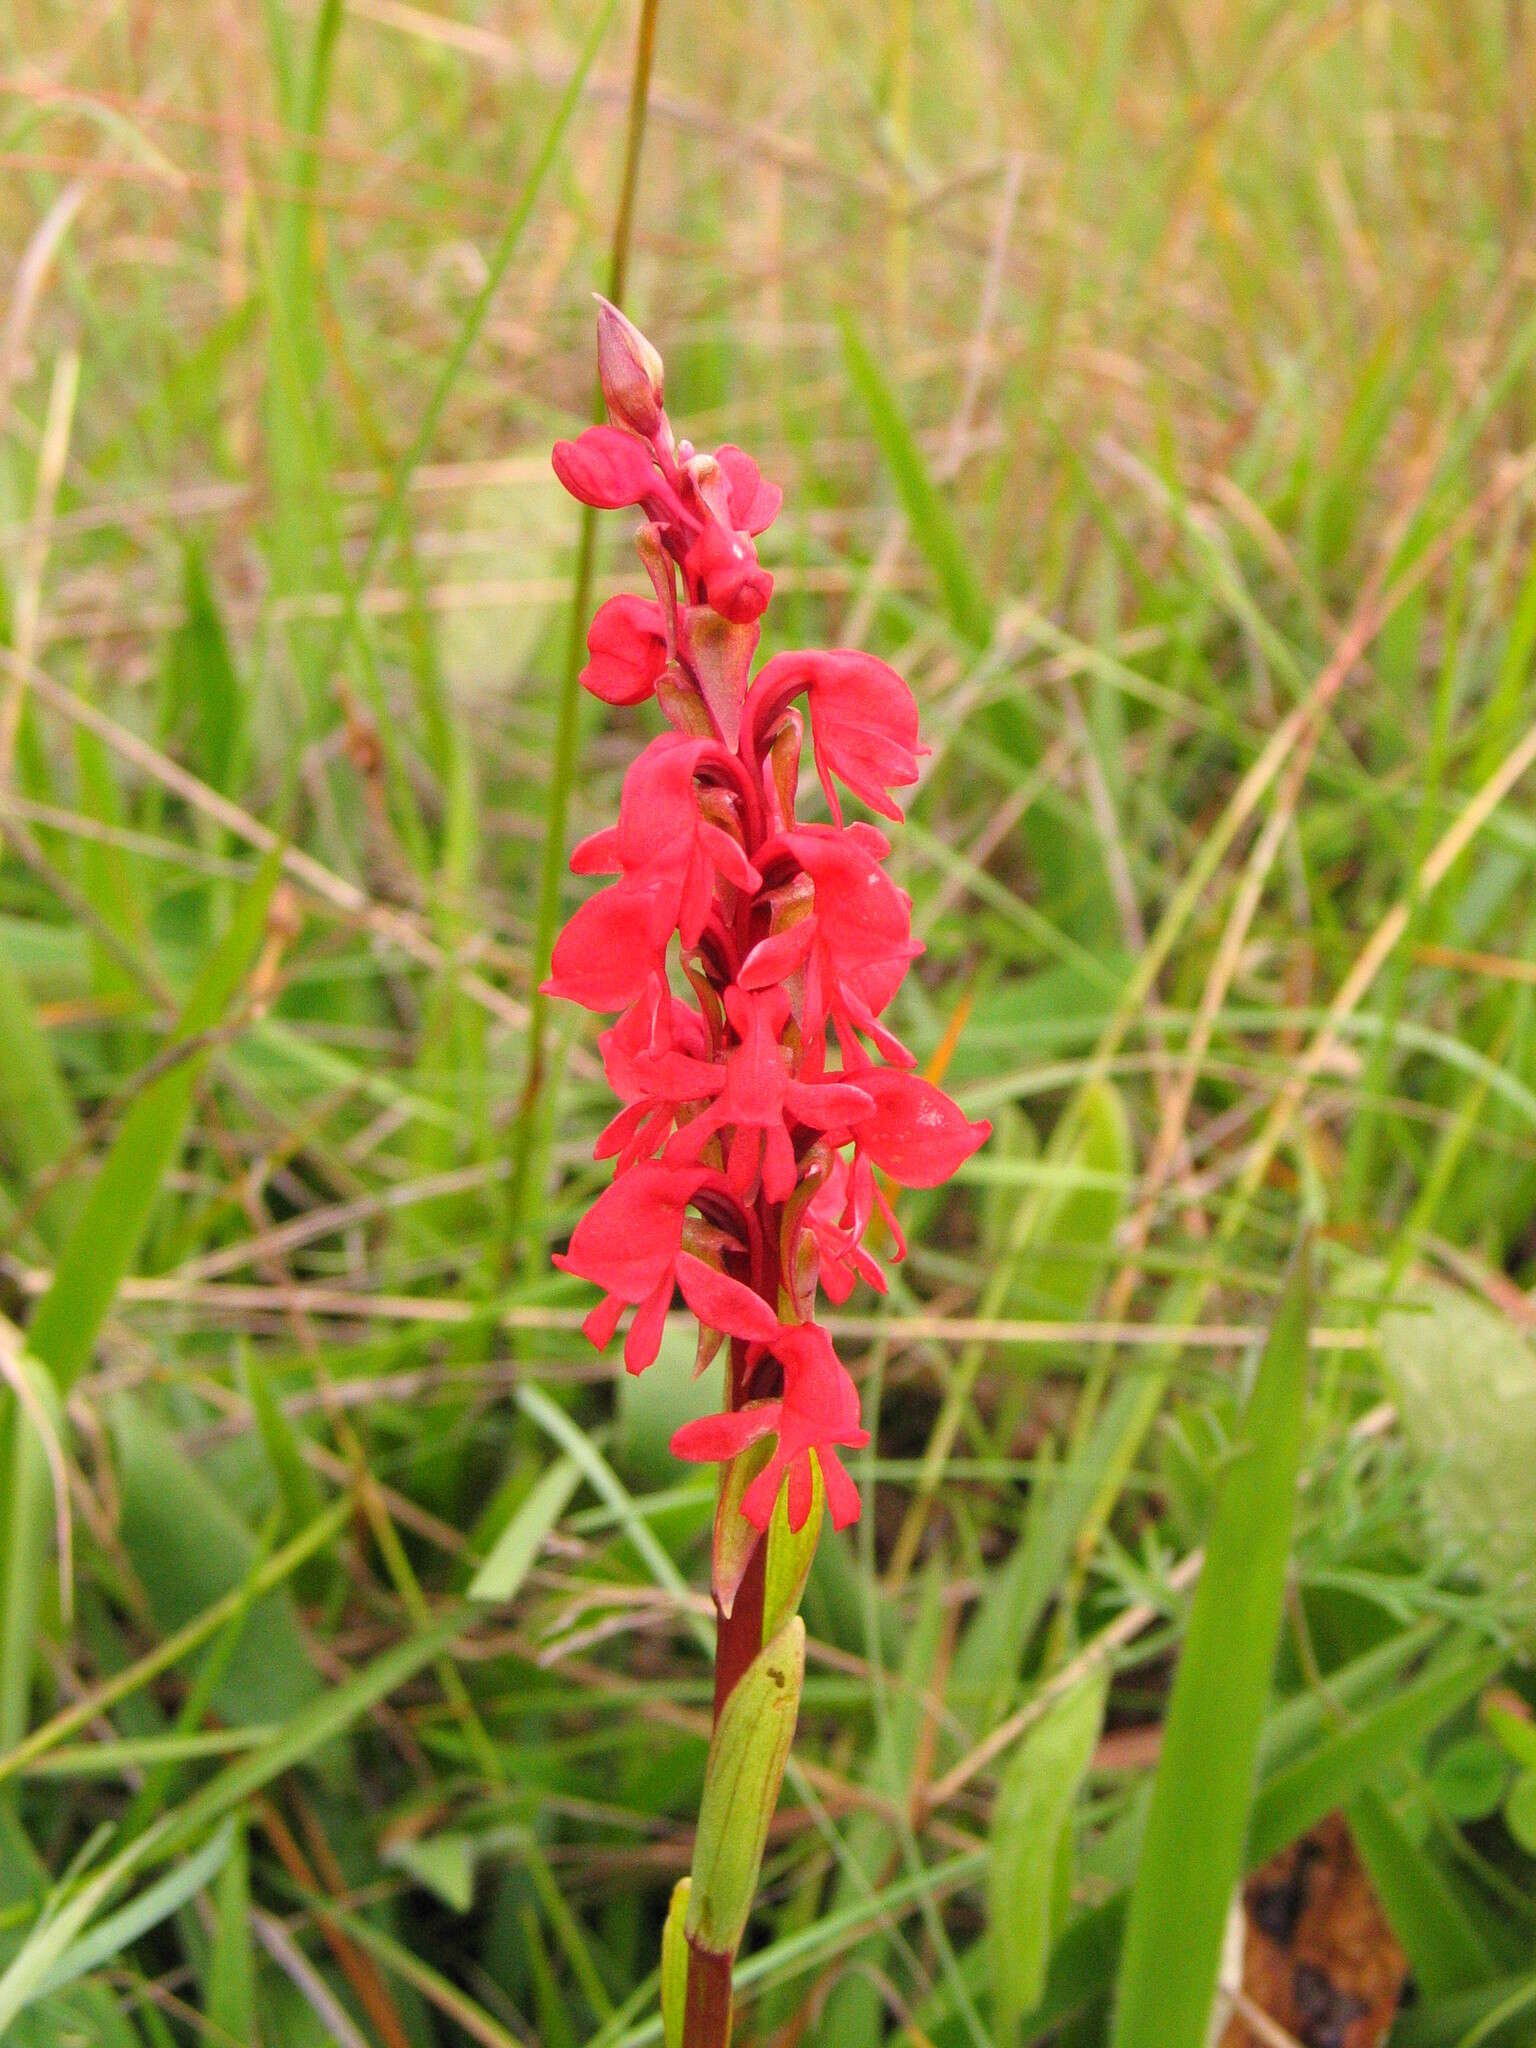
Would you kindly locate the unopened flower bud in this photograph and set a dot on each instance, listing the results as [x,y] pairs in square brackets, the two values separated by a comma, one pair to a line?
[630,371]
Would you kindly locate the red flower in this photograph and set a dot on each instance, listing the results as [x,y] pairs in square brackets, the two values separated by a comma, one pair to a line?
[653,1058]
[915,1133]
[755,1091]
[856,944]
[606,467]
[669,855]
[628,645]
[724,565]
[663,841]
[755,502]
[606,954]
[630,372]
[630,1243]
[836,1219]
[818,1409]
[863,721]
[784,930]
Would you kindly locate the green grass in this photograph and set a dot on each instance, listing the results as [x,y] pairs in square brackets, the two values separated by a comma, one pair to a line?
[1155,387]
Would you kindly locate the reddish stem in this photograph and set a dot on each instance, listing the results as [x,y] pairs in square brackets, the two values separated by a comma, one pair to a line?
[739,1638]
[707,2010]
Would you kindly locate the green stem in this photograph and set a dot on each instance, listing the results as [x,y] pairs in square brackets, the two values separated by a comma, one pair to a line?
[567,723]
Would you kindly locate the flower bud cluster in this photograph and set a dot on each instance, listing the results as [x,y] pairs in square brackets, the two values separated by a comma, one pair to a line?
[761,1110]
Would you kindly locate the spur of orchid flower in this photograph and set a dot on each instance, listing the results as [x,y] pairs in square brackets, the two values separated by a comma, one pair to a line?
[748,957]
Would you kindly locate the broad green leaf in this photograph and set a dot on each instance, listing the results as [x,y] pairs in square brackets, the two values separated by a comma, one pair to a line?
[110,885]
[116,1212]
[205,708]
[37,1118]
[1520,1811]
[1018,1593]
[1057,1263]
[108,1229]
[1193,1851]
[1515,1732]
[298,1485]
[519,1544]
[1030,1829]
[1470,1778]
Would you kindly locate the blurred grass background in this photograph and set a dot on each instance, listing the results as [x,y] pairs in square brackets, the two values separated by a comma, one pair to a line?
[1153,384]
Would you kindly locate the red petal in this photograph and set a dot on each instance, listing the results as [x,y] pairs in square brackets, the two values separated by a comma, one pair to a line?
[722,1436]
[755,503]
[724,1303]
[605,467]
[628,646]
[757,1503]
[629,1238]
[916,1134]
[644,1339]
[600,1323]
[602,959]
[776,958]
[842,1494]
[597,854]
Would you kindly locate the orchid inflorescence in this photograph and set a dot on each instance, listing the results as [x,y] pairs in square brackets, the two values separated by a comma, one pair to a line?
[749,1167]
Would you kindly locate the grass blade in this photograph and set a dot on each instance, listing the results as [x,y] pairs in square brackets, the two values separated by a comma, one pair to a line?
[101,1247]
[1193,1852]
[932,524]
[515,1549]
[116,1212]
[1029,1834]
[1443,1947]
[1297,1797]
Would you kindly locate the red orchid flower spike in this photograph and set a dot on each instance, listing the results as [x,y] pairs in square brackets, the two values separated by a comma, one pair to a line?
[740,948]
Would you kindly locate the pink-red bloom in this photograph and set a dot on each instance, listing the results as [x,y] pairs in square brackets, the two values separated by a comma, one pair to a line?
[863,721]
[854,946]
[628,645]
[669,855]
[741,949]
[817,1412]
